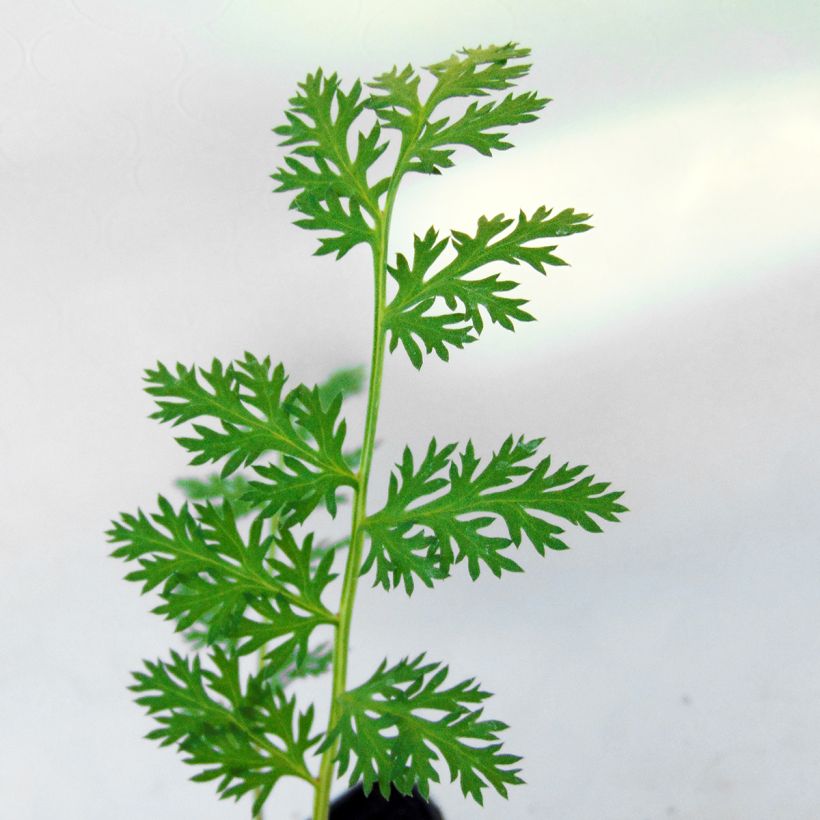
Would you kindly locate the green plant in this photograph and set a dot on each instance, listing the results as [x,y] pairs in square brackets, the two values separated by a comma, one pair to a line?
[265,586]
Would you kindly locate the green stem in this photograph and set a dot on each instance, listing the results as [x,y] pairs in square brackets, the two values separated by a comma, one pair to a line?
[321,806]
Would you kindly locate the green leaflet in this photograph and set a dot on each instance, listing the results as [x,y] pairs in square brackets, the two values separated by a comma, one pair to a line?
[206,572]
[422,531]
[256,417]
[333,193]
[246,737]
[308,569]
[416,316]
[234,488]
[397,726]
[206,631]
[301,571]
[400,551]
[429,141]
[292,487]
[474,72]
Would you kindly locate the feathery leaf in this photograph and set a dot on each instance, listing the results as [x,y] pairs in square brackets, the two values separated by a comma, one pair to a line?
[245,737]
[445,308]
[398,725]
[206,572]
[420,524]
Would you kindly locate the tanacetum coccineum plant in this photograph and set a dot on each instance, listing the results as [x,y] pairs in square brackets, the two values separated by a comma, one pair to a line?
[268,586]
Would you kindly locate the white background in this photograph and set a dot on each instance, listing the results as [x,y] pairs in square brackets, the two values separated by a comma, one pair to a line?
[666,669]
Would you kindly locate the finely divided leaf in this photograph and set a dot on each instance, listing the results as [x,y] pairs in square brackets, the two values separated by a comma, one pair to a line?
[475,72]
[206,572]
[428,140]
[493,243]
[477,128]
[399,550]
[292,488]
[441,308]
[342,382]
[331,184]
[302,568]
[441,511]
[246,737]
[400,726]
[417,327]
[247,399]
[305,567]
[396,101]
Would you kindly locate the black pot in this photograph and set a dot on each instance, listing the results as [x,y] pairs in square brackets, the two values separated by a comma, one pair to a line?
[353,805]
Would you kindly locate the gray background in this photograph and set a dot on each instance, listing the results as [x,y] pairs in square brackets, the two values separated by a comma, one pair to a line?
[667,669]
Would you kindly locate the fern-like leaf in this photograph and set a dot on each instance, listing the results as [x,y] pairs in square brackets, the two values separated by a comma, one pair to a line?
[428,140]
[419,523]
[206,572]
[441,308]
[397,726]
[331,185]
[243,736]
[256,417]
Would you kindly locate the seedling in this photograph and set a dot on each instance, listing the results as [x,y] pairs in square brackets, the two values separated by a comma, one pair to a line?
[268,587]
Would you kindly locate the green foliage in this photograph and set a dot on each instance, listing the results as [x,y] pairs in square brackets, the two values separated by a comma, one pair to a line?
[415,311]
[246,737]
[236,488]
[430,141]
[387,728]
[207,572]
[333,195]
[422,531]
[235,572]
[246,398]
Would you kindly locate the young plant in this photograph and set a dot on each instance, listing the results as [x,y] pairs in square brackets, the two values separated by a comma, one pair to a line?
[266,586]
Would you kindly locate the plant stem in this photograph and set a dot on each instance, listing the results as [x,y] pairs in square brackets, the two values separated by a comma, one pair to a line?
[321,806]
